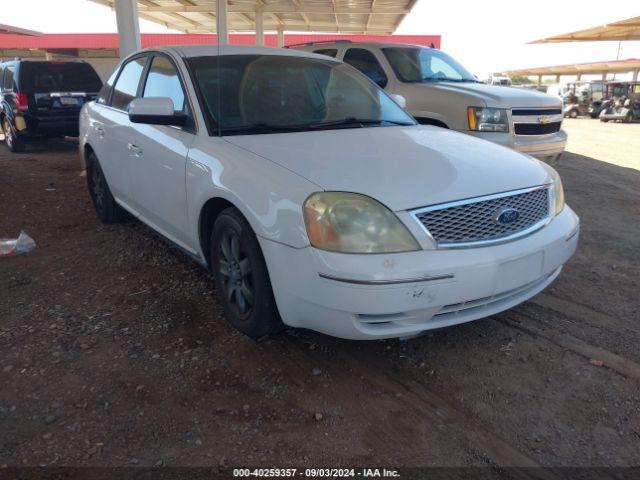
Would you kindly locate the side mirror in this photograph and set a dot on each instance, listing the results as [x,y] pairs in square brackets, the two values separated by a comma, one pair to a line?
[155,111]
[399,99]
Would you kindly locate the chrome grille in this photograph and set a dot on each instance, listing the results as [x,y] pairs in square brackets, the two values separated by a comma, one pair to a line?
[475,221]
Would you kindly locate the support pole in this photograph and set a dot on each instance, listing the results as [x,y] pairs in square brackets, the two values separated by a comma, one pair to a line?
[539,79]
[604,76]
[280,37]
[128,26]
[222,25]
[635,74]
[557,78]
[260,26]
[578,77]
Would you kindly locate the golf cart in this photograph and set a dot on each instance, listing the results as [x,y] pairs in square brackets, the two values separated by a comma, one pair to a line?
[583,98]
[622,102]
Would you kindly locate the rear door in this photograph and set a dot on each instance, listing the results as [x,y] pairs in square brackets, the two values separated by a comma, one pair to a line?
[111,133]
[366,61]
[158,164]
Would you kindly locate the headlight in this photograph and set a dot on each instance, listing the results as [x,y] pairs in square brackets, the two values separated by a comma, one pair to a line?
[354,223]
[558,192]
[488,119]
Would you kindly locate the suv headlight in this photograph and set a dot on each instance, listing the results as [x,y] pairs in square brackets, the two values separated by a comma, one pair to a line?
[558,192]
[484,119]
[353,223]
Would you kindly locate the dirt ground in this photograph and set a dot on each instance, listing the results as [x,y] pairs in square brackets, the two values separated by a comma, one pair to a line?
[113,350]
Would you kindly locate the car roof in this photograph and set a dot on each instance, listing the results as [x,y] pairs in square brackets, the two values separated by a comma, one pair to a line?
[321,45]
[189,51]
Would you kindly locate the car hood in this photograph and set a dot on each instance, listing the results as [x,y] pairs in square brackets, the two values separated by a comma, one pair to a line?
[402,167]
[492,95]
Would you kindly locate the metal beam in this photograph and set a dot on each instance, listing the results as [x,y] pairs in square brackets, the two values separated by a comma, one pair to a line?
[128,26]
[278,8]
[280,37]
[222,25]
[259,26]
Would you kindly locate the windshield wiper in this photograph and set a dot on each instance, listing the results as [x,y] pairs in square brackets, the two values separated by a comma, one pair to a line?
[258,128]
[446,79]
[354,122]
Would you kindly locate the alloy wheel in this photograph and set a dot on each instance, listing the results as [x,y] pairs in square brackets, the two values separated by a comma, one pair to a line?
[98,188]
[236,274]
[8,133]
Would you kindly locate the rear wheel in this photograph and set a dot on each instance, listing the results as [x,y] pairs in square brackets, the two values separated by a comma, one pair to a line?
[106,207]
[11,137]
[573,114]
[241,277]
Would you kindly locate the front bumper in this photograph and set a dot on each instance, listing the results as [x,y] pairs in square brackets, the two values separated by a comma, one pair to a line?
[543,147]
[393,295]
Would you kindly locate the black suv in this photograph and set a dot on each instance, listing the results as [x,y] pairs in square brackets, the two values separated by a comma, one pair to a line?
[43,99]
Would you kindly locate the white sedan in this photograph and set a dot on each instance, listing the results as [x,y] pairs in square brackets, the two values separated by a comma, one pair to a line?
[314,199]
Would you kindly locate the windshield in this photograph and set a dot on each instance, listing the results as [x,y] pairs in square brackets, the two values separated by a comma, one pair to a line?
[44,77]
[243,94]
[417,65]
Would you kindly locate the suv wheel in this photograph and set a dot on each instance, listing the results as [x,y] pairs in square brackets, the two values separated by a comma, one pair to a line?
[241,277]
[106,207]
[14,144]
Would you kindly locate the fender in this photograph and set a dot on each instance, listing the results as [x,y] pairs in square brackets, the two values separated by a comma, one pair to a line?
[218,169]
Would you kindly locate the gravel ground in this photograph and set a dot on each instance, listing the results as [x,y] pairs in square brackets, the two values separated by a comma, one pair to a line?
[114,352]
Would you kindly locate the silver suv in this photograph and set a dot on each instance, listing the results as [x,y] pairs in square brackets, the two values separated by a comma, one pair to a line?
[440,91]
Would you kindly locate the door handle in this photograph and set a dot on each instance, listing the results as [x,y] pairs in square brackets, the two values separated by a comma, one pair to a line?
[136,150]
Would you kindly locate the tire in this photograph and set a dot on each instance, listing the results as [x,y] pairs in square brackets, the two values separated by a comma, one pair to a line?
[14,144]
[240,273]
[107,209]
[573,114]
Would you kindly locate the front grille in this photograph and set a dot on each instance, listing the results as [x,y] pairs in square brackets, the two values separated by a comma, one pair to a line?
[475,220]
[535,111]
[536,128]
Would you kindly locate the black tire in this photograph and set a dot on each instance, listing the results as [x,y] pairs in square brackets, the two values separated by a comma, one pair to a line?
[14,143]
[107,209]
[241,277]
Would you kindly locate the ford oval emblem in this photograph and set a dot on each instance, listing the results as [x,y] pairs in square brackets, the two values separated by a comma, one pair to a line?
[506,215]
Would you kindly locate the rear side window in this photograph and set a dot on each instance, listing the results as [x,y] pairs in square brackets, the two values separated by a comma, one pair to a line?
[367,63]
[8,78]
[329,52]
[163,81]
[126,88]
[105,91]
[44,77]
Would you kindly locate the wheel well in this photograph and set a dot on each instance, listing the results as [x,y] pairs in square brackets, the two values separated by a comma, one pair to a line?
[208,215]
[431,121]
[86,152]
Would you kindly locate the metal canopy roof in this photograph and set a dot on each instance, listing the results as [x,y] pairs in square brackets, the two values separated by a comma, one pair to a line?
[623,30]
[341,16]
[17,31]
[628,65]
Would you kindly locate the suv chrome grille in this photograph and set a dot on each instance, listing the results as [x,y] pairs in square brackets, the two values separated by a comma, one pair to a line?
[475,221]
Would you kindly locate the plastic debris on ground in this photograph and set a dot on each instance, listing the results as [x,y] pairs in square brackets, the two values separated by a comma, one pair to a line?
[15,246]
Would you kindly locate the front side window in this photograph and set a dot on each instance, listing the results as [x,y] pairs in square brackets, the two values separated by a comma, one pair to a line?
[422,65]
[244,94]
[163,81]
[367,63]
[8,78]
[126,87]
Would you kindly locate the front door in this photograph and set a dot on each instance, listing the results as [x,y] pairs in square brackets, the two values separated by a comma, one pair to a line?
[159,156]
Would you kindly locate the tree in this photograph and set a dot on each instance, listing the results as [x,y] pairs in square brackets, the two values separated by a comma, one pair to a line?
[520,80]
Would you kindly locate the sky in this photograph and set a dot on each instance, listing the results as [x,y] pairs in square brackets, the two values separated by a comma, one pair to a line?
[485,36]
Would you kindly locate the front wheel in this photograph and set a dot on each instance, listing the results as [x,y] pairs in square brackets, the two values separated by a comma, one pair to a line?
[14,144]
[573,114]
[241,277]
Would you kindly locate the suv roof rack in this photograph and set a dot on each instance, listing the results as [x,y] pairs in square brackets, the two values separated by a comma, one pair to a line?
[319,42]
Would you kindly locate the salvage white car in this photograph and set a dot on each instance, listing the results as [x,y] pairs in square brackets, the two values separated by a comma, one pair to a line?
[314,199]
[440,91]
